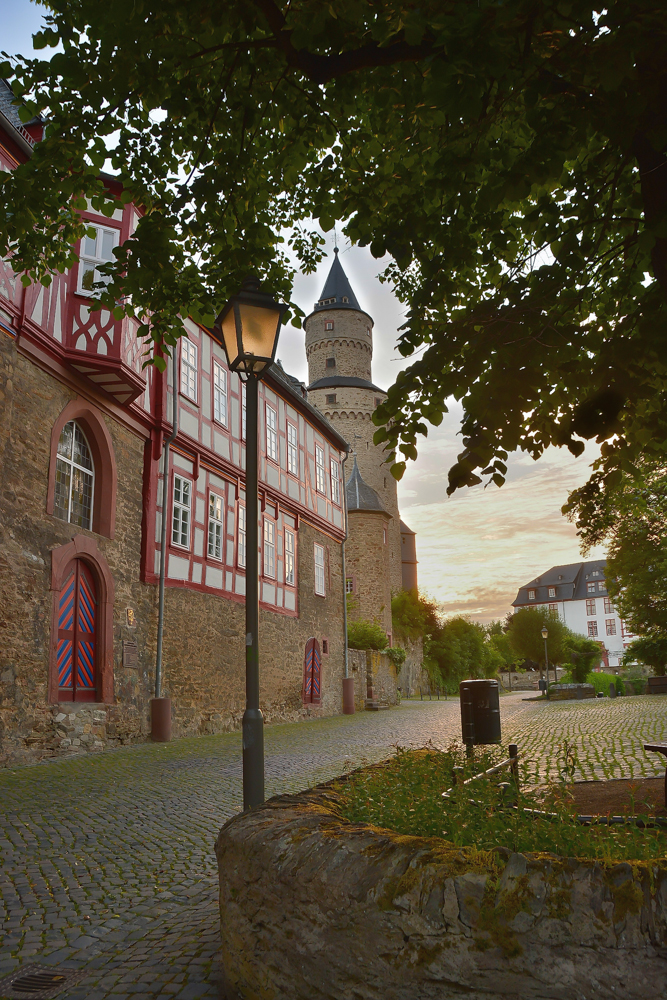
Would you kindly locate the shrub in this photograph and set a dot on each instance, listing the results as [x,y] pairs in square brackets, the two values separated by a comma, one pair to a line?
[397,655]
[600,682]
[363,634]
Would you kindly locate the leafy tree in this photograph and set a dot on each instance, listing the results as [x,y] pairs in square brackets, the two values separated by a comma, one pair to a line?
[525,634]
[631,515]
[499,640]
[413,615]
[510,158]
[363,634]
[652,652]
[580,654]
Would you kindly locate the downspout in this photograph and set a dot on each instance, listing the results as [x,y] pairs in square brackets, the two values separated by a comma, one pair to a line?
[163,535]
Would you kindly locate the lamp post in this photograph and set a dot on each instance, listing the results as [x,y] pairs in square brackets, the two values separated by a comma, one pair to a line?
[250,323]
[545,633]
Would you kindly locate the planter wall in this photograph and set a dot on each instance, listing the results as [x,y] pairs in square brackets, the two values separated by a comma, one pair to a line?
[657,685]
[313,907]
[566,692]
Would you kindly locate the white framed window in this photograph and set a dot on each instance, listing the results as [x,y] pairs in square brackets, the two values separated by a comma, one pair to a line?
[319,570]
[590,588]
[531,595]
[271,433]
[75,478]
[611,626]
[219,393]
[215,508]
[349,585]
[180,523]
[189,369]
[553,607]
[335,481]
[328,325]
[95,250]
[241,546]
[320,473]
[592,629]
[269,548]
[290,558]
[292,449]
[602,585]
[552,591]
[608,606]
[384,534]
[243,410]
[590,607]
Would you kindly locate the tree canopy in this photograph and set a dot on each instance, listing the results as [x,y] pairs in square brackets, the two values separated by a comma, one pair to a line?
[510,158]
[524,632]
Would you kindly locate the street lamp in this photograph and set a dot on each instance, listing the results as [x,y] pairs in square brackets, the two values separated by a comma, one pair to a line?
[545,633]
[250,323]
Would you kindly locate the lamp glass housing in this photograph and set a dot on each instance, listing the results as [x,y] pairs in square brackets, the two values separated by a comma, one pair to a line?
[249,324]
[545,633]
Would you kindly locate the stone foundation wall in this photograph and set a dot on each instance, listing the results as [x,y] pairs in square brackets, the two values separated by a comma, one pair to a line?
[410,673]
[313,907]
[373,672]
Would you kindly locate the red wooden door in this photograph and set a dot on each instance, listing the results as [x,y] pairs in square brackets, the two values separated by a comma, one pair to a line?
[77,645]
[312,673]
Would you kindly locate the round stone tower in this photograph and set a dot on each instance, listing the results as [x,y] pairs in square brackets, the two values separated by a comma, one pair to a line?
[339,350]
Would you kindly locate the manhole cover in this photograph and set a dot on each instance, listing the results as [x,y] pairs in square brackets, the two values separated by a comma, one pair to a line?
[38,982]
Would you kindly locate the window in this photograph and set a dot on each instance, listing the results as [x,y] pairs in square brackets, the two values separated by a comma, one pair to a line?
[335,481]
[243,411]
[608,606]
[290,558]
[331,397]
[328,325]
[95,250]
[189,369]
[75,477]
[590,607]
[219,393]
[553,607]
[269,548]
[331,362]
[552,591]
[378,400]
[292,450]
[531,595]
[590,588]
[215,526]
[602,585]
[319,467]
[592,629]
[325,647]
[319,570]
[611,626]
[271,434]
[180,525]
[242,537]
[384,535]
[349,585]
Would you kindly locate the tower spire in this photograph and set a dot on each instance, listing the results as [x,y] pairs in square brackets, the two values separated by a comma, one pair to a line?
[337,292]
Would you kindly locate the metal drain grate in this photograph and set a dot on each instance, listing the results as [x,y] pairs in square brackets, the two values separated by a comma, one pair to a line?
[37,982]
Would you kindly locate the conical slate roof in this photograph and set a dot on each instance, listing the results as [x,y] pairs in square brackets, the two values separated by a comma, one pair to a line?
[337,292]
[359,494]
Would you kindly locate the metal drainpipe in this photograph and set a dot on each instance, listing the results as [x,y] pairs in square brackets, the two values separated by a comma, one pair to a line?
[163,536]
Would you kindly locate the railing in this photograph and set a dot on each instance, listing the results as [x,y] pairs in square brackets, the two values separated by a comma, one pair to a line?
[512,763]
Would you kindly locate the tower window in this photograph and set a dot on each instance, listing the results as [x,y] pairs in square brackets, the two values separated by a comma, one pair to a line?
[345,299]
[378,400]
[331,362]
[328,325]
[331,398]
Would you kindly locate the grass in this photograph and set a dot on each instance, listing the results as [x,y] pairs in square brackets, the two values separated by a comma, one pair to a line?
[404,794]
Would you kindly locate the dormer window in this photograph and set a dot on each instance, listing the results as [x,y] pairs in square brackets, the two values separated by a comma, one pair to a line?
[552,591]
[531,595]
[345,299]
[590,588]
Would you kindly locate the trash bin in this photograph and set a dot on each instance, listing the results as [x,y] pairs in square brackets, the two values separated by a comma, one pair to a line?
[542,684]
[480,712]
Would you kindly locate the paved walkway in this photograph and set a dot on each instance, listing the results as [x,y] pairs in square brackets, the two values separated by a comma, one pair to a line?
[107,864]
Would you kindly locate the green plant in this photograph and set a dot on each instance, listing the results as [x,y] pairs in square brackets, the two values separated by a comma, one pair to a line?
[649,650]
[363,634]
[600,681]
[524,631]
[397,655]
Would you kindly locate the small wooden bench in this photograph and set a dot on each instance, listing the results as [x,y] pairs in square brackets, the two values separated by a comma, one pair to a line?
[659,748]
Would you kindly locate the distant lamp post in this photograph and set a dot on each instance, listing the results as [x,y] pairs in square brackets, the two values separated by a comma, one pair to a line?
[250,323]
[545,634]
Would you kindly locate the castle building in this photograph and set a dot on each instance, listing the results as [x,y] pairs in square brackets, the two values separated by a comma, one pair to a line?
[381,554]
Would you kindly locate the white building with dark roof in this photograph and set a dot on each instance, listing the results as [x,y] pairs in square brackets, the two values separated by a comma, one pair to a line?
[578,593]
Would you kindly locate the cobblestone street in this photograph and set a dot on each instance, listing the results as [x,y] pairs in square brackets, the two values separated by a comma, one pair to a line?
[107,860]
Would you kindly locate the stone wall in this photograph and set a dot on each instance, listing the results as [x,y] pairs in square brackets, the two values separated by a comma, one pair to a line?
[410,675]
[368,563]
[374,678]
[313,907]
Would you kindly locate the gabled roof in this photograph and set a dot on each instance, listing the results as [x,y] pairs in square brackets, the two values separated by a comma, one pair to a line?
[360,496]
[569,582]
[405,530]
[337,292]
[9,116]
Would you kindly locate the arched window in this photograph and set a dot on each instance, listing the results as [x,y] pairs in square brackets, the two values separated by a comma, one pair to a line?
[75,477]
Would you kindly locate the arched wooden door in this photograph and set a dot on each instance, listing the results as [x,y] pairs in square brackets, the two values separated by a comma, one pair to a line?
[77,635]
[312,668]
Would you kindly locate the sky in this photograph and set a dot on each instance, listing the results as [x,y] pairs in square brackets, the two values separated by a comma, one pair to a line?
[477,548]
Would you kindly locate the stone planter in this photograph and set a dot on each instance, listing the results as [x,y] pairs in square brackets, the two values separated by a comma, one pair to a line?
[657,685]
[566,692]
[314,907]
